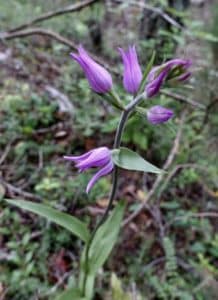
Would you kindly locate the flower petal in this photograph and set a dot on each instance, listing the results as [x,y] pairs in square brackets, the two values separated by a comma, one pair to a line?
[132,74]
[98,77]
[98,158]
[159,114]
[102,172]
[80,157]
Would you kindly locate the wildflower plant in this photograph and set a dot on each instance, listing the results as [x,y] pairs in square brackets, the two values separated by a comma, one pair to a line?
[99,243]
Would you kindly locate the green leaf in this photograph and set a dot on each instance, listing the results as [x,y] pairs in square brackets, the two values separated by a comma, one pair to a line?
[68,222]
[105,239]
[100,249]
[206,36]
[90,277]
[130,160]
[89,289]
[70,294]
[147,70]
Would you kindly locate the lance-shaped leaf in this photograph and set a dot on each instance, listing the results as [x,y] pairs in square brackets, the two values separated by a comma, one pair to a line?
[105,239]
[68,222]
[70,294]
[147,70]
[100,249]
[130,160]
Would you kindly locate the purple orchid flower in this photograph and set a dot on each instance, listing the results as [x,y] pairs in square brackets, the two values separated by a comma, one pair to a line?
[159,114]
[175,69]
[132,75]
[179,69]
[98,77]
[155,82]
[99,157]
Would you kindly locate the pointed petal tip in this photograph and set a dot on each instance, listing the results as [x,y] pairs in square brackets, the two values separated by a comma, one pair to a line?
[121,51]
[132,48]
[74,56]
[66,157]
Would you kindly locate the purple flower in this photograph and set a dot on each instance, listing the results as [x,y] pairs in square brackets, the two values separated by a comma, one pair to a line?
[99,157]
[155,82]
[175,69]
[159,114]
[132,75]
[179,69]
[99,78]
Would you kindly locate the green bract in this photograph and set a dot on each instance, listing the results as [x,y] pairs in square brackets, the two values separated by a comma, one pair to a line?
[130,160]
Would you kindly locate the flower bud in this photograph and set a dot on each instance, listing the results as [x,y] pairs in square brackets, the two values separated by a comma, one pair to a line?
[132,75]
[159,114]
[99,78]
[175,70]
[155,83]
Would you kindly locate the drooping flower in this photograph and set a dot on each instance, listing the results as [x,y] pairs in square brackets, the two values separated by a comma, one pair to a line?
[98,77]
[132,75]
[175,70]
[159,114]
[99,157]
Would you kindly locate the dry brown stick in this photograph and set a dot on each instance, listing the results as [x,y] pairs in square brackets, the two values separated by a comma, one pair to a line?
[155,10]
[161,259]
[60,281]
[183,99]
[39,31]
[68,9]
[192,215]
[175,170]
[54,35]
[161,13]
[13,189]
[159,178]
[6,151]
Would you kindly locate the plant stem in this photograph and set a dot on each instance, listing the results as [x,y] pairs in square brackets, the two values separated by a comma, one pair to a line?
[117,141]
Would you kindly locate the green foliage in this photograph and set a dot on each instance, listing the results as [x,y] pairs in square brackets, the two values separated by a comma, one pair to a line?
[117,291]
[146,72]
[31,122]
[69,294]
[100,248]
[70,223]
[173,287]
[130,160]
[105,239]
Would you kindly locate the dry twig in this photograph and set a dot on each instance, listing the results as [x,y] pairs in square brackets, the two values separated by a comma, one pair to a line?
[175,170]
[6,151]
[155,10]
[192,215]
[49,15]
[15,190]
[51,34]
[182,98]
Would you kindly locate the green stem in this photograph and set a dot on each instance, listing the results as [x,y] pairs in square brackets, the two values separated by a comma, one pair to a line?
[117,141]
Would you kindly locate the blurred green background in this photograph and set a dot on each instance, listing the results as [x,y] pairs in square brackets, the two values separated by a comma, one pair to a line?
[47,110]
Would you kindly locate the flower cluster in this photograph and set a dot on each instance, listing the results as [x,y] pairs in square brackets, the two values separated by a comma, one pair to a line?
[100,81]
